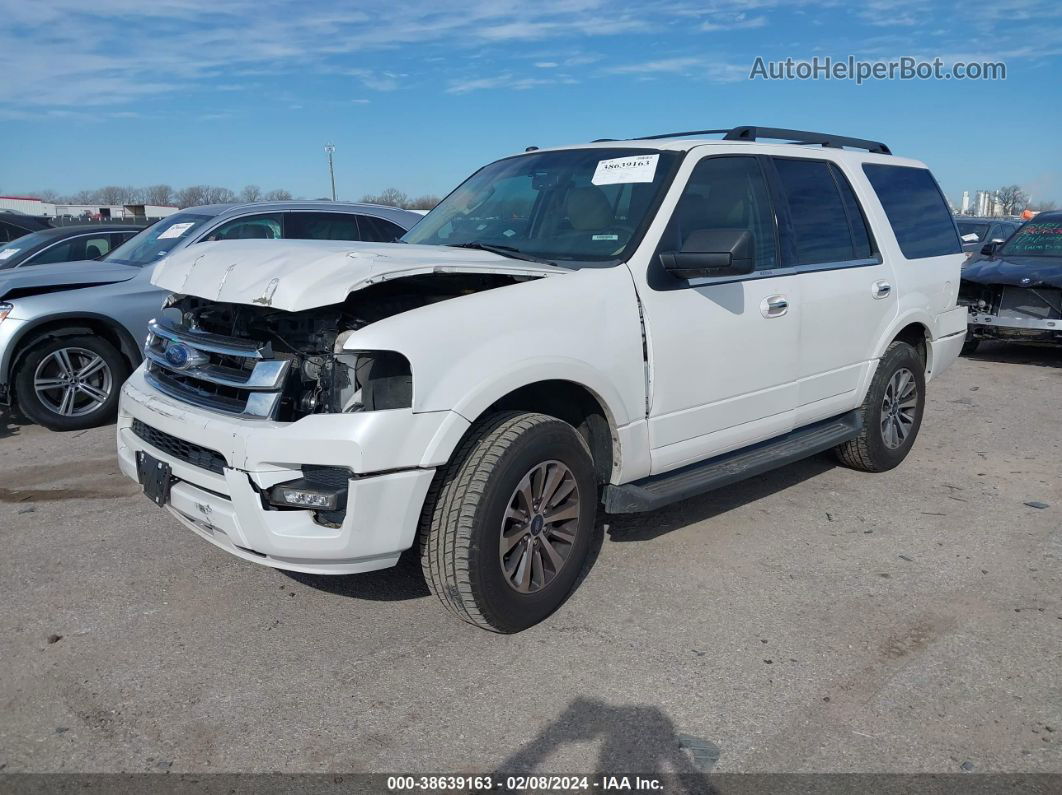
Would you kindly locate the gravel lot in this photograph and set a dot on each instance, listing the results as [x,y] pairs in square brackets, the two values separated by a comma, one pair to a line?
[814,619]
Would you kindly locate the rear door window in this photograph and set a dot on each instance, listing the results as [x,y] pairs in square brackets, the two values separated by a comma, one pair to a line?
[378,230]
[817,213]
[321,226]
[919,215]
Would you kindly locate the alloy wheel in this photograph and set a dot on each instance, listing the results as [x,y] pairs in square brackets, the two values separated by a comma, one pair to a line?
[539,527]
[898,408]
[73,382]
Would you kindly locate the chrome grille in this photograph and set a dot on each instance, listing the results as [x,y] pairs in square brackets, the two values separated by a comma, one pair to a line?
[218,373]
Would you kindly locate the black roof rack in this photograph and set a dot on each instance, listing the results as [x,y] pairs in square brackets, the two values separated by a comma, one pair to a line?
[749,133]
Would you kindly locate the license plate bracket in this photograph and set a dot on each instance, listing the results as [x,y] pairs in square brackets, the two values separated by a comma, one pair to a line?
[155,476]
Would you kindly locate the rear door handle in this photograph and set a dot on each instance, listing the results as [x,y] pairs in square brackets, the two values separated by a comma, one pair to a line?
[881,288]
[774,306]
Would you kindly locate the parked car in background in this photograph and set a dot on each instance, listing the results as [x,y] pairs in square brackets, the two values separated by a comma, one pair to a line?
[1014,289]
[623,322]
[70,334]
[85,242]
[14,225]
[976,232]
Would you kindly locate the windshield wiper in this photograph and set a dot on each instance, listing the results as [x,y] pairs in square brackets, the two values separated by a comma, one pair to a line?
[505,251]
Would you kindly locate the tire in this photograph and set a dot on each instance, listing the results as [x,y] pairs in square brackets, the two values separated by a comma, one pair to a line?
[477,499]
[969,346]
[93,401]
[885,441]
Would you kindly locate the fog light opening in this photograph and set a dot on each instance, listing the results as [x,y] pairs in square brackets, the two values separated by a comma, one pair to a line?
[308,496]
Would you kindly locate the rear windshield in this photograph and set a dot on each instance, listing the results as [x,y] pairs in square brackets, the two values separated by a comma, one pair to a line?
[967,228]
[24,243]
[919,215]
[157,240]
[1035,239]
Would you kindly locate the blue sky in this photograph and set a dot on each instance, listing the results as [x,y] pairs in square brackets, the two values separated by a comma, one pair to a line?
[416,95]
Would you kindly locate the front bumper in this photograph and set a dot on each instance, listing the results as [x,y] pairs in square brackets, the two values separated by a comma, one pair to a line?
[984,325]
[388,452]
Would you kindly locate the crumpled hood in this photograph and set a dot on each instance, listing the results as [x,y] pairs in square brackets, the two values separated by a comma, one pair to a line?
[1017,271]
[302,274]
[46,278]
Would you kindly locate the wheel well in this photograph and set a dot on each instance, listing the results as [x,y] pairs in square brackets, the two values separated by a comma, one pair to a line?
[576,405]
[916,335]
[73,326]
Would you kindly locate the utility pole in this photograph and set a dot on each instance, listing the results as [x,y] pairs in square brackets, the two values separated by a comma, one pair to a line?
[330,149]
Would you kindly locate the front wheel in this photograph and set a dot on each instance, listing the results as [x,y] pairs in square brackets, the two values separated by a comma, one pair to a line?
[70,383]
[891,412]
[507,525]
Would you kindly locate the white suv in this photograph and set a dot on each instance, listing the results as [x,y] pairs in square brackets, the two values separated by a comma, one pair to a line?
[619,325]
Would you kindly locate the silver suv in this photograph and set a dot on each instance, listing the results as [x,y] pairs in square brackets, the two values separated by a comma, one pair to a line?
[70,333]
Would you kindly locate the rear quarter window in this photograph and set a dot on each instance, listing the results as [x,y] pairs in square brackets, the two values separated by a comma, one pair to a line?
[916,209]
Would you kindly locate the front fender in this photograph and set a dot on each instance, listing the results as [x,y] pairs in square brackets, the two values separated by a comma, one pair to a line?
[468,352]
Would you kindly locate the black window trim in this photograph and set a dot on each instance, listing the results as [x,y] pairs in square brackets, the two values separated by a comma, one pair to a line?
[783,232]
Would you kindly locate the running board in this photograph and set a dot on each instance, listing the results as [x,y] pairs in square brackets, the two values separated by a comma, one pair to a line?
[656,491]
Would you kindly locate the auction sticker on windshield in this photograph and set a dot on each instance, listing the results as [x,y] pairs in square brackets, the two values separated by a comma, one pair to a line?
[176,230]
[639,168]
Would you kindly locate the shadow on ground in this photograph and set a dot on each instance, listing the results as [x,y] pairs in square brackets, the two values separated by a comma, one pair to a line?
[397,584]
[1013,353]
[11,421]
[632,739]
[645,526]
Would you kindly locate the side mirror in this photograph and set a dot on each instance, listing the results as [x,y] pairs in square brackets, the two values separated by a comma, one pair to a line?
[712,252]
[989,249]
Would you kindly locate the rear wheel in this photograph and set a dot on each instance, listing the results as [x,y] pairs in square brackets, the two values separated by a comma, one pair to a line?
[507,525]
[70,383]
[892,412]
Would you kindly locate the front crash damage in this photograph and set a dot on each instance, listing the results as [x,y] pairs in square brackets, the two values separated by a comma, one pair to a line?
[1014,299]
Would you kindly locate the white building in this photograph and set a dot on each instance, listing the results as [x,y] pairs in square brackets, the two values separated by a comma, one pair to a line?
[92,212]
[965,210]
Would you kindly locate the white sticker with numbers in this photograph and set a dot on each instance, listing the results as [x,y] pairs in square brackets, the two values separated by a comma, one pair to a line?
[637,168]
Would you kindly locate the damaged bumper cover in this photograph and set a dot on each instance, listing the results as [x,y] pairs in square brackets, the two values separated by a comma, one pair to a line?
[224,467]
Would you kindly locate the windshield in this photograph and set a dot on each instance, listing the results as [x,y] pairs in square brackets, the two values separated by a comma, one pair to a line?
[157,240]
[967,228]
[575,205]
[1035,239]
[24,243]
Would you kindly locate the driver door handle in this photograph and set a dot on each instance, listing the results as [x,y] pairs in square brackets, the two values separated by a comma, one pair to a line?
[774,306]
[881,288]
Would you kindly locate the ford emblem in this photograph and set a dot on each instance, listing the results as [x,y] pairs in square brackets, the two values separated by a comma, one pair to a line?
[181,357]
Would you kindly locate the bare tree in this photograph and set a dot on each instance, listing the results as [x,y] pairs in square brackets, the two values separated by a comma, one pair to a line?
[192,195]
[158,195]
[1043,206]
[49,196]
[112,194]
[216,195]
[278,195]
[426,202]
[392,197]
[1012,199]
[250,193]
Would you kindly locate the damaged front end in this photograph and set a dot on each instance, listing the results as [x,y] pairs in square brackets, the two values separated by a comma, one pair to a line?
[1013,313]
[260,362]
